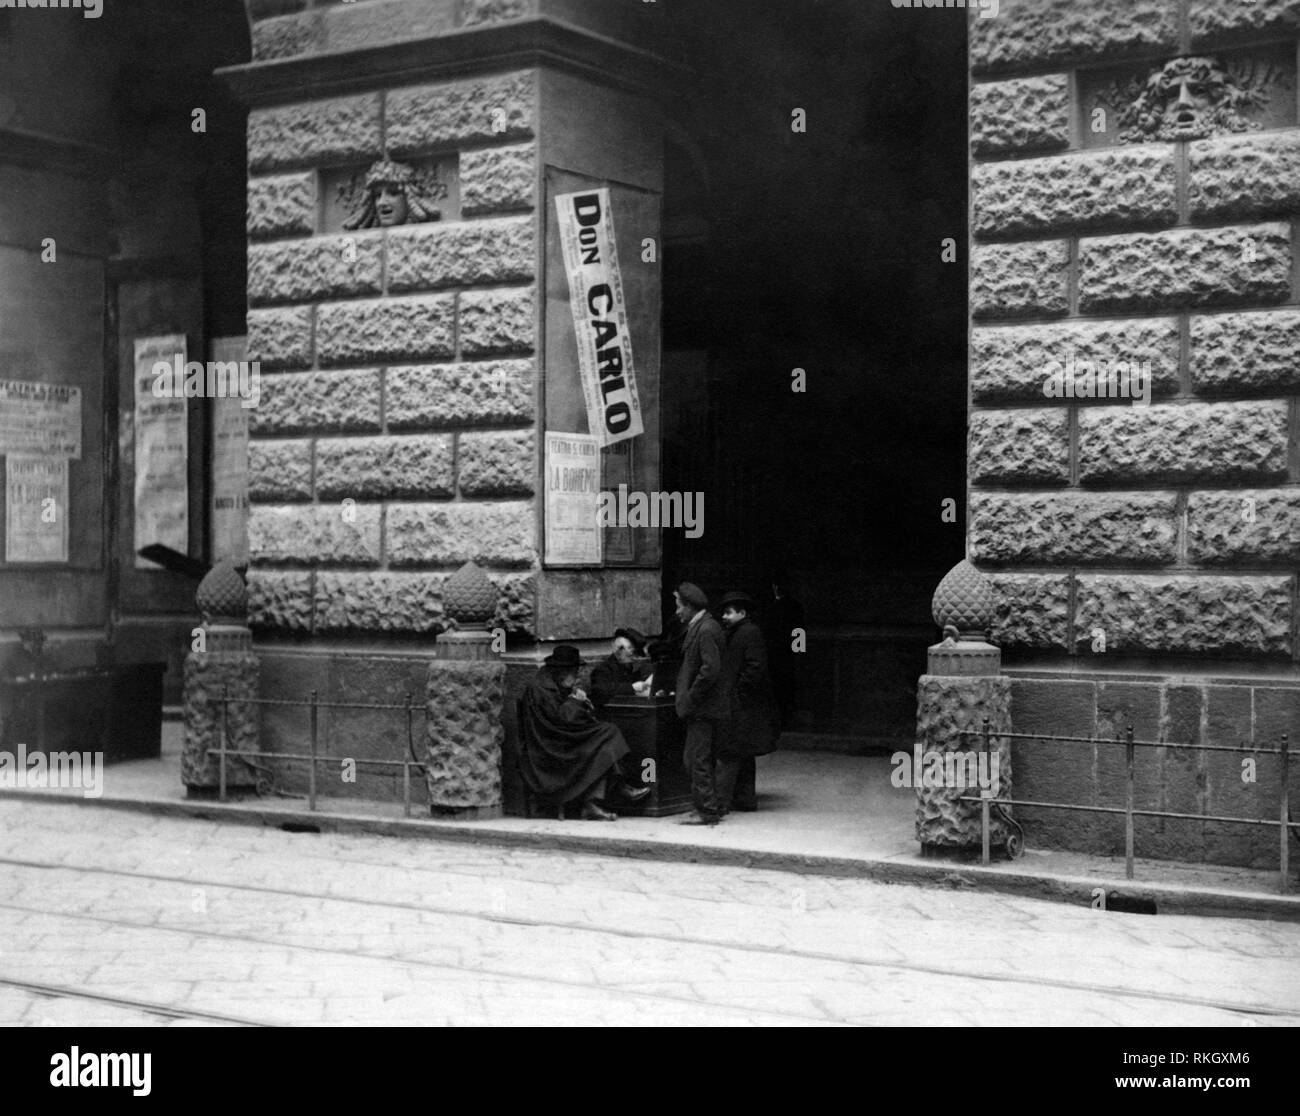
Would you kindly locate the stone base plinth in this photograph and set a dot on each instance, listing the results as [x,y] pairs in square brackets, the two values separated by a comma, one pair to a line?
[945,707]
[464,735]
[206,673]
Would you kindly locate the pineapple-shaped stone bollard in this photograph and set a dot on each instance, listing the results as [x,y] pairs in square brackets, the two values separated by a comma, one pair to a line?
[221,659]
[464,697]
[962,687]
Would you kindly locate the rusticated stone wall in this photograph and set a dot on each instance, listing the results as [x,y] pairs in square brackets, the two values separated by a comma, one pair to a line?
[394,437]
[1170,530]
[1146,554]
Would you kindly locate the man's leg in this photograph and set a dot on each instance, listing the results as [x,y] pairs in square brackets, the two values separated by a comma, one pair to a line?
[592,810]
[697,756]
[746,793]
[725,770]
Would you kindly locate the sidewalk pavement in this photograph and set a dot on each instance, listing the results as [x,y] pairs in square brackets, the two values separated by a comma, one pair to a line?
[820,814]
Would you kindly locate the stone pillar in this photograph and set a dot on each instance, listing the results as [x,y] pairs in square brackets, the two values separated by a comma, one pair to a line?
[463,705]
[1134,203]
[961,691]
[222,661]
[406,388]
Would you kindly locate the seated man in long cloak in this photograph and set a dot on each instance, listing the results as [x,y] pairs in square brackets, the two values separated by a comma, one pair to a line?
[567,753]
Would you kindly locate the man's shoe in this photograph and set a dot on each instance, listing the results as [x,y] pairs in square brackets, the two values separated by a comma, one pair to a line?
[698,819]
[591,811]
[633,794]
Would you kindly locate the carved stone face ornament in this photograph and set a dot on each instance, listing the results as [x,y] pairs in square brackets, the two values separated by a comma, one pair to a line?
[390,205]
[393,194]
[1183,113]
[1189,98]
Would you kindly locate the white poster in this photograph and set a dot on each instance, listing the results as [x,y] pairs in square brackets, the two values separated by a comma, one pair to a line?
[573,534]
[586,226]
[40,418]
[36,508]
[161,454]
[229,466]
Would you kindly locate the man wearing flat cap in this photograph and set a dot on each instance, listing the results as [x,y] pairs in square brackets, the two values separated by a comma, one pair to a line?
[623,673]
[567,753]
[701,700]
[753,728]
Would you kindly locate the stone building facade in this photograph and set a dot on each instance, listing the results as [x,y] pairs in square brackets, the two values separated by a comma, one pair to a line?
[1131,206]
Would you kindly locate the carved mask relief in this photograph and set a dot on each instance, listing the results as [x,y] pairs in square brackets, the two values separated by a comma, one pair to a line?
[1189,98]
[391,193]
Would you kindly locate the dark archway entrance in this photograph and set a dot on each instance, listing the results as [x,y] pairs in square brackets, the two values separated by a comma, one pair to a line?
[820,250]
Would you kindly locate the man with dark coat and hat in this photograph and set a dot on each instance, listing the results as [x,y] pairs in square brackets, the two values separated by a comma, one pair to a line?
[623,673]
[701,700]
[567,753]
[755,720]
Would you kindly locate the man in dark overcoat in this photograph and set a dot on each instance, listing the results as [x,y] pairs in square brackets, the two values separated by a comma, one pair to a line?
[567,753]
[754,724]
[701,700]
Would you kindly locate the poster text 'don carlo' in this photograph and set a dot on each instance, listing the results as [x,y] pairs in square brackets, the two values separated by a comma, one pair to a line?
[605,362]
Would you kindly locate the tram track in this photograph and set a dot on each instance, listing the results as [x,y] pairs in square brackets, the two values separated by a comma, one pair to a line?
[587,928]
[146,1007]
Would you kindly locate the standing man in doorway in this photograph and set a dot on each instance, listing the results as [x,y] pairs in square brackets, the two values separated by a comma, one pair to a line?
[701,700]
[755,721]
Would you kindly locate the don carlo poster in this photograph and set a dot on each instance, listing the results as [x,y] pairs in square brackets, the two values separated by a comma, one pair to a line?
[600,320]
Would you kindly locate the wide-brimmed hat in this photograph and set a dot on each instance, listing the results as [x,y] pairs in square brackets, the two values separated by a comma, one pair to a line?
[565,655]
[692,595]
[633,637]
[739,599]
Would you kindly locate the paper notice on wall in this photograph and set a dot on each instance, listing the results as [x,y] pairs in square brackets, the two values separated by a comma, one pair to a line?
[229,465]
[605,364]
[161,454]
[573,534]
[36,508]
[39,418]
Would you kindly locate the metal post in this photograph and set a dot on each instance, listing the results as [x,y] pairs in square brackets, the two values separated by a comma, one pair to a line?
[311,774]
[1128,808]
[221,739]
[1285,812]
[985,795]
[406,765]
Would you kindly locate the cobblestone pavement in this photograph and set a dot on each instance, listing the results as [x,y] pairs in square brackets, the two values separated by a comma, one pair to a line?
[111,918]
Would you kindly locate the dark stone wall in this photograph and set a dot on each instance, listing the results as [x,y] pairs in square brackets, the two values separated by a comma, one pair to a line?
[1235,712]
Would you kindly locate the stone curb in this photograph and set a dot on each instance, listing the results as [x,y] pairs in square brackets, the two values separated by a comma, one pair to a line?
[1166,898]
